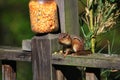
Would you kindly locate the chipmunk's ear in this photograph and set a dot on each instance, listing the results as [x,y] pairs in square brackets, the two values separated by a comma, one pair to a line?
[62,35]
[68,36]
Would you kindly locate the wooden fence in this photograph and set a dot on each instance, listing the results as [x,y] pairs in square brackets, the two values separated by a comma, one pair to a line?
[46,65]
[56,67]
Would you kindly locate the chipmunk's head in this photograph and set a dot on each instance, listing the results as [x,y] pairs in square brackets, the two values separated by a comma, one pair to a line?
[65,39]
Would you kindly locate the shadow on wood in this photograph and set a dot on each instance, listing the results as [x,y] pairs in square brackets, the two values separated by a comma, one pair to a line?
[70,72]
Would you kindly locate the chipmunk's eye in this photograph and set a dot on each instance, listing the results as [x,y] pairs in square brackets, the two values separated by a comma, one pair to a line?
[64,36]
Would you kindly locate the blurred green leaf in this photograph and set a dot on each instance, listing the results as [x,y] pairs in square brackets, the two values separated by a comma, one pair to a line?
[112,0]
[14,22]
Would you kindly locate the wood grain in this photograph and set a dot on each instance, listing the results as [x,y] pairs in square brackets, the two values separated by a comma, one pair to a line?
[68,16]
[93,60]
[42,48]
[12,53]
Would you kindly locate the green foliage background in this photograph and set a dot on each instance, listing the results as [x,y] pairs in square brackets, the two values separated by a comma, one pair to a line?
[102,45]
[14,27]
[14,22]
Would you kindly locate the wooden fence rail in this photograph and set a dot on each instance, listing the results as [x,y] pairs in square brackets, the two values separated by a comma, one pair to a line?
[93,60]
[16,54]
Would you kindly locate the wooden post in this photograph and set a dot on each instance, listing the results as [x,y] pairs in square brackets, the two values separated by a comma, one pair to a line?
[42,47]
[68,16]
[8,70]
[0,70]
[93,74]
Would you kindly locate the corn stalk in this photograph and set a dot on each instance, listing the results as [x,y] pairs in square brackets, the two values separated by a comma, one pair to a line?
[100,16]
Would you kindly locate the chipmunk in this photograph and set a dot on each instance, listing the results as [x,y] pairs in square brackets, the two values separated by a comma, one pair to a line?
[71,44]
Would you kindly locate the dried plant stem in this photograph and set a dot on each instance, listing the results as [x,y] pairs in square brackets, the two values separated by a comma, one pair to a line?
[92,29]
[100,16]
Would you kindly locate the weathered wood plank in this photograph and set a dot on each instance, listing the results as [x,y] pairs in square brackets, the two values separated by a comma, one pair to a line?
[95,61]
[14,54]
[26,45]
[61,14]
[68,16]
[1,70]
[71,17]
[8,72]
[41,58]
[42,47]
